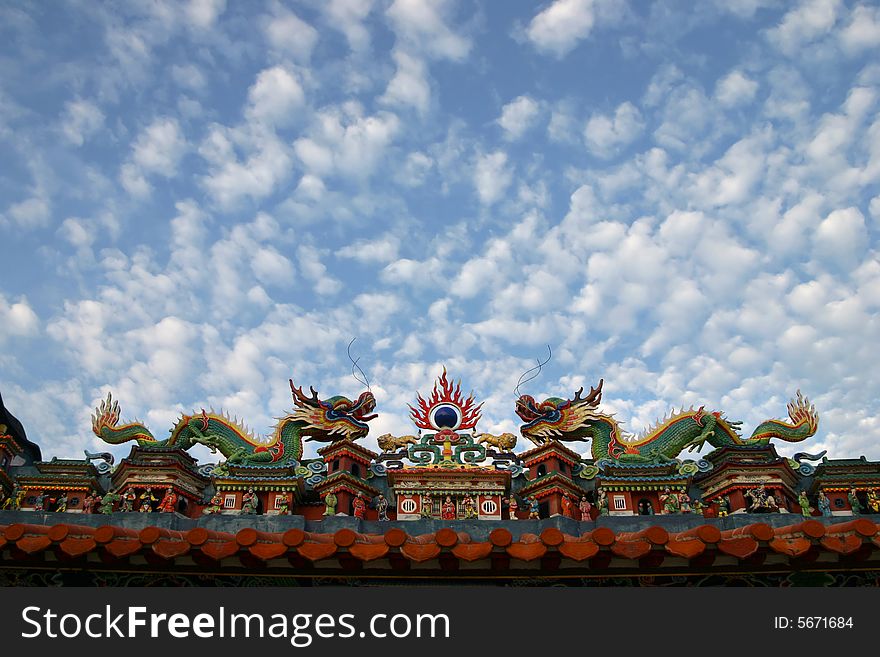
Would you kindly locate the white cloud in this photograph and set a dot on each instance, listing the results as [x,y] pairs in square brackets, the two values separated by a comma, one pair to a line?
[345,142]
[231,178]
[188,76]
[81,120]
[421,24]
[518,116]
[289,34]
[275,97]
[811,20]
[734,89]
[34,212]
[309,261]
[157,150]
[382,250]
[409,86]
[842,237]
[203,14]
[605,135]
[270,267]
[863,31]
[492,176]
[348,16]
[561,26]
[17,319]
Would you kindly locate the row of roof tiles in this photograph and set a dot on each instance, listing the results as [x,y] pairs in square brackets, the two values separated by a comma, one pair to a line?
[804,542]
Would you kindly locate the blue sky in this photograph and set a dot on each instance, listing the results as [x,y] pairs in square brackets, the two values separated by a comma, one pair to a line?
[200,200]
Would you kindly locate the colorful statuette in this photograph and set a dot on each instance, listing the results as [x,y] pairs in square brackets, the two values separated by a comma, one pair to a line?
[469,508]
[128,500]
[567,507]
[282,505]
[13,500]
[534,509]
[147,498]
[873,501]
[169,501]
[215,505]
[824,504]
[91,502]
[671,501]
[359,506]
[249,502]
[61,503]
[330,503]
[804,503]
[513,506]
[382,508]
[585,508]
[427,505]
[108,501]
[761,499]
[854,502]
[723,506]
[602,502]
[447,510]
[40,501]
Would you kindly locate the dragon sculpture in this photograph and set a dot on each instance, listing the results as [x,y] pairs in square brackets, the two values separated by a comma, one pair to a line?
[579,418]
[336,418]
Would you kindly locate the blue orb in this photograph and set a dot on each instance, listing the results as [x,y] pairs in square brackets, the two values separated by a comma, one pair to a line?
[446,417]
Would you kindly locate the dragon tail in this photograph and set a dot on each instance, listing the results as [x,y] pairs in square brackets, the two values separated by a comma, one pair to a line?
[804,423]
[105,425]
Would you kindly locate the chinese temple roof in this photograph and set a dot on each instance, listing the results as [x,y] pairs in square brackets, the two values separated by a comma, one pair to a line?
[581,549]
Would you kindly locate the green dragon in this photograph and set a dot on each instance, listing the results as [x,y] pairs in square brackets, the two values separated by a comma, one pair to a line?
[336,418]
[579,418]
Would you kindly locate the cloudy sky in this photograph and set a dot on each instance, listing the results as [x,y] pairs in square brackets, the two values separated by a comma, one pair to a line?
[199,201]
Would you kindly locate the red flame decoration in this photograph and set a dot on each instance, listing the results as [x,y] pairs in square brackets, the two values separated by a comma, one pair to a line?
[445,393]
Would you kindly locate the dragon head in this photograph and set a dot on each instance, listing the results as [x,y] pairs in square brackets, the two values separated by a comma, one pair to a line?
[556,418]
[336,418]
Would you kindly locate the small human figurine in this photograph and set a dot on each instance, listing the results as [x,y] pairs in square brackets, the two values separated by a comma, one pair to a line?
[468,506]
[698,505]
[359,506]
[585,507]
[670,501]
[330,503]
[215,505]
[147,498]
[447,510]
[427,506]
[61,503]
[602,502]
[90,502]
[824,504]
[804,502]
[771,503]
[108,501]
[128,500]
[854,502]
[534,509]
[282,505]
[249,502]
[567,506]
[513,507]
[723,506]
[40,501]
[169,501]
[684,501]
[382,508]
[13,502]
[873,501]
